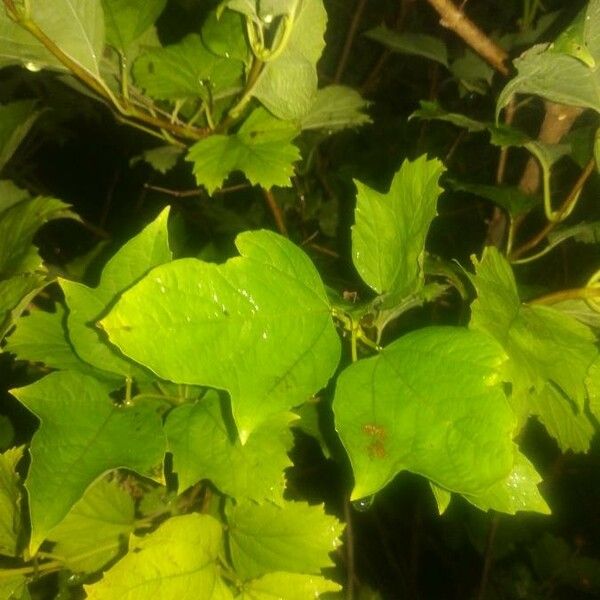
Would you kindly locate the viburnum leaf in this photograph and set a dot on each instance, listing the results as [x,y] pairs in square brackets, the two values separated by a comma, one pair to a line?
[10,501]
[287,586]
[83,434]
[432,403]
[388,238]
[199,440]
[262,149]
[75,26]
[86,305]
[258,326]
[92,533]
[186,70]
[291,96]
[178,560]
[295,537]
[128,20]
[543,344]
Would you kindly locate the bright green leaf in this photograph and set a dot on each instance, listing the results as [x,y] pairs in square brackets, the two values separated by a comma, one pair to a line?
[128,20]
[262,149]
[82,435]
[415,44]
[15,295]
[592,383]
[336,107]
[16,119]
[287,85]
[10,501]
[92,533]
[42,337]
[295,537]
[543,344]
[258,326]
[518,492]
[186,70]
[287,586]
[388,238]
[86,305]
[178,559]
[573,40]
[12,585]
[161,159]
[432,403]
[199,440]
[442,497]
[579,309]
[75,26]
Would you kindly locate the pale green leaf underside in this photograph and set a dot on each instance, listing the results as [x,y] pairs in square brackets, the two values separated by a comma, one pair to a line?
[178,560]
[75,26]
[388,238]
[287,586]
[68,455]
[92,533]
[10,501]
[262,149]
[336,107]
[199,441]
[258,326]
[543,344]
[287,85]
[295,537]
[432,403]
[86,305]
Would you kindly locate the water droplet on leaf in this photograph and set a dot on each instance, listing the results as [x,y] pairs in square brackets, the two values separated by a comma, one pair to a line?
[363,504]
[32,66]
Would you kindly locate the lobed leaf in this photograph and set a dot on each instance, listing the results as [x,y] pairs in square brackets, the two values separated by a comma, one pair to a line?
[258,326]
[82,435]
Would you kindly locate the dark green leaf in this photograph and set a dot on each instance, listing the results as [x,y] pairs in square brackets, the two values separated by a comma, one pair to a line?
[10,501]
[16,119]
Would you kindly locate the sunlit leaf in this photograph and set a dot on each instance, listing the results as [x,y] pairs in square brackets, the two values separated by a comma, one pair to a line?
[10,501]
[287,586]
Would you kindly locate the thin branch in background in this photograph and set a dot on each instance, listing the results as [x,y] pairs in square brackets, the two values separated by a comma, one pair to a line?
[488,556]
[350,562]
[358,11]
[276,211]
[566,208]
[196,191]
[584,293]
[454,19]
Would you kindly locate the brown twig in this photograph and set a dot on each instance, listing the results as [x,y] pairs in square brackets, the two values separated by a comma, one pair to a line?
[196,191]
[566,207]
[360,7]
[454,19]
[488,557]
[276,211]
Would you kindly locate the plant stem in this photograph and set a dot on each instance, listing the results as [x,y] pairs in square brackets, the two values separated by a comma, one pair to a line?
[350,558]
[358,11]
[488,557]
[584,293]
[276,211]
[564,210]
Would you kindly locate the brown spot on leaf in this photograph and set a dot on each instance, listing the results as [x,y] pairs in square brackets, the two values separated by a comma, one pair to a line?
[377,435]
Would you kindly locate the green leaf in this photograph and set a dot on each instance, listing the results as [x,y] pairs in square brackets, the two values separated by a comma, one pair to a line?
[11,194]
[258,326]
[558,76]
[262,149]
[18,225]
[75,26]
[7,432]
[592,383]
[10,501]
[16,119]
[86,305]
[518,492]
[569,427]
[186,70]
[415,44]
[291,96]
[432,403]
[580,310]
[161,159]
[442,497]
[543,344]
[388,238]
[42,337]
[199,440]
[225,35]
[12,585]
[82,435]
[515,202]
[336,107]
[178,559]
[128,20]
[92,533]
[295,537]
[15,295]
[287,586]
[573,40]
